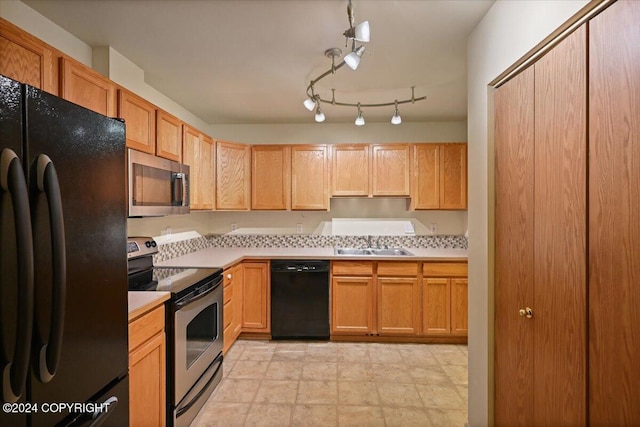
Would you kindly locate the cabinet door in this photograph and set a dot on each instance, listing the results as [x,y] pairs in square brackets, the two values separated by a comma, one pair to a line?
[237,300]
[191,143]
[228,314]
[391,170]
[398,306]
[436,306]
[233,176]
[25,58]
[147,389]
[426,189]
[270,177]
[168,136]
[140,119]
[256,297]
[350,170]
[459,307]
[84,86]
[206,190]
[309,177]
[453,176]
[614,217]
[352,305]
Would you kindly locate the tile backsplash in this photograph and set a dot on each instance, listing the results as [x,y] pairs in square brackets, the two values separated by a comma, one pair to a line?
[176,249]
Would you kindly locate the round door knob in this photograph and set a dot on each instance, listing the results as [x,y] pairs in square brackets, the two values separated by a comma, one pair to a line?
[229,276]
[522,312]
[528,313]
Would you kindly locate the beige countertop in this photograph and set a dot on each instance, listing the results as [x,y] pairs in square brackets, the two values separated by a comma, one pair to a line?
[141,302]
[226,257]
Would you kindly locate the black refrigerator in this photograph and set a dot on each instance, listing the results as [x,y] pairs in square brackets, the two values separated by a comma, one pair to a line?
[63,263]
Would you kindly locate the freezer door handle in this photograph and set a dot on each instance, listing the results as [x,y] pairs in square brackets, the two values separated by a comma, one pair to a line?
[100,417]
[49,353]
[12,180]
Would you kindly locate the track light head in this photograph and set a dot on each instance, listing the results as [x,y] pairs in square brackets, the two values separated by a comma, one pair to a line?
[396,119]
[360,119]
[309,104]
[319,115]
[353,59]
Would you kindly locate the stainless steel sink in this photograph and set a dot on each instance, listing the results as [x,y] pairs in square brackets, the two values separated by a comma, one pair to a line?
[352,251]
[373,252]
[391,252]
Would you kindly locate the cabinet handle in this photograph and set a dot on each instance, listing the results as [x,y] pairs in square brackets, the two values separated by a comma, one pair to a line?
[229,276]
[526,312]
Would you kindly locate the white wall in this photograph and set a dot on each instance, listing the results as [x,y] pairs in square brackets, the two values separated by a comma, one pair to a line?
[506,33]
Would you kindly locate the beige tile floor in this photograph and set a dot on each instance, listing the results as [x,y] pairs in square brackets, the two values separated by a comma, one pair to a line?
[283,383]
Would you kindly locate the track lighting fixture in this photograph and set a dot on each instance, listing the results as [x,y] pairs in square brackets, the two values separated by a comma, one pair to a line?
[319,115]
[359,120]
[396,119]
[360,33]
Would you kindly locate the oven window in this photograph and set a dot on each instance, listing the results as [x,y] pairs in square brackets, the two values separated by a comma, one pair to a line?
[202,331]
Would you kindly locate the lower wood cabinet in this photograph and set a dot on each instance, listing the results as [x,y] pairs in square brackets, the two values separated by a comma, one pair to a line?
[232,311]
[256,297]
[399,298]
[147,369]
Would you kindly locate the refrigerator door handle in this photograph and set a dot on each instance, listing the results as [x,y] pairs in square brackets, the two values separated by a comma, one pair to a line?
[99,417]
[12,180]
[49,353]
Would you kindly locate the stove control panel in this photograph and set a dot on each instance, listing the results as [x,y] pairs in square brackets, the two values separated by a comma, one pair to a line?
[141,246]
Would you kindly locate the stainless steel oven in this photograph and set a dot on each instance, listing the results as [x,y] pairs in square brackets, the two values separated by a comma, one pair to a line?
[197,350]
[194,327]
[157,186]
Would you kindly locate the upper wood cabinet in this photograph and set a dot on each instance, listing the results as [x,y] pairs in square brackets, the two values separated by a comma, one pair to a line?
[350,170]
[309,177]
[270,177]
[168,136]
[86,87]
[140,119]
[391,170]
[440,176]
[233,176]
[453,176]
[26,59]
[198,153]
[426,194]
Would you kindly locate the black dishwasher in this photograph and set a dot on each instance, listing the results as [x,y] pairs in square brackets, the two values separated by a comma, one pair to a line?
[300,299]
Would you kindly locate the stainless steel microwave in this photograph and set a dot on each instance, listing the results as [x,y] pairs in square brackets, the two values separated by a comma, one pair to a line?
[157,186]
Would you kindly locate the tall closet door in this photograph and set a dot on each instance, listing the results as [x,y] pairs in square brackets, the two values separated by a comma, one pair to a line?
[559,308]
[514,140]
[540,358]
[614,215]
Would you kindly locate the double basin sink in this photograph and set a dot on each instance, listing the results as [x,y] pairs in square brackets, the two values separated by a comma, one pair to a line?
[373,252]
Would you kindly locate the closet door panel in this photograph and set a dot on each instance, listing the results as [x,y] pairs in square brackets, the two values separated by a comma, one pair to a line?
[559,309]
[614,215]
[514,141]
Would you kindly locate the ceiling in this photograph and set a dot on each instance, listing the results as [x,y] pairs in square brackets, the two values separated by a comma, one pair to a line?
[250,61]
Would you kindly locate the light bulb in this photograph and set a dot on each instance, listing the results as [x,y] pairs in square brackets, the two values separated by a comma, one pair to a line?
[353,59]
[359,120]
[309,104]
[319,115]
[396,119]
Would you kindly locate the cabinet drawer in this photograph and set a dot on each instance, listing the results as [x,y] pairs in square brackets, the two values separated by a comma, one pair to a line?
[227,293]
[353,268]
[227,313]
[444,269]
[145,327]
[394,268]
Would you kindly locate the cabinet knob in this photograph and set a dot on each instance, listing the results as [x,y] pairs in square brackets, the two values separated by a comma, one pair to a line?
[228,275]
[526,312]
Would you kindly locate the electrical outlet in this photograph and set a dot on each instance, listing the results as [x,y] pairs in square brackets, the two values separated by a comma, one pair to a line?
[299,228]
[433,227]
[234,227]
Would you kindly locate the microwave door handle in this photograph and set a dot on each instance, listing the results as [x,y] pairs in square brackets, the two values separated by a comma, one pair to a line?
[49,353]
[12,180]
[178,189]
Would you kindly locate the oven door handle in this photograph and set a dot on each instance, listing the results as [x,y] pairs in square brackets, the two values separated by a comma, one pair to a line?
[187,300]
[186,407]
